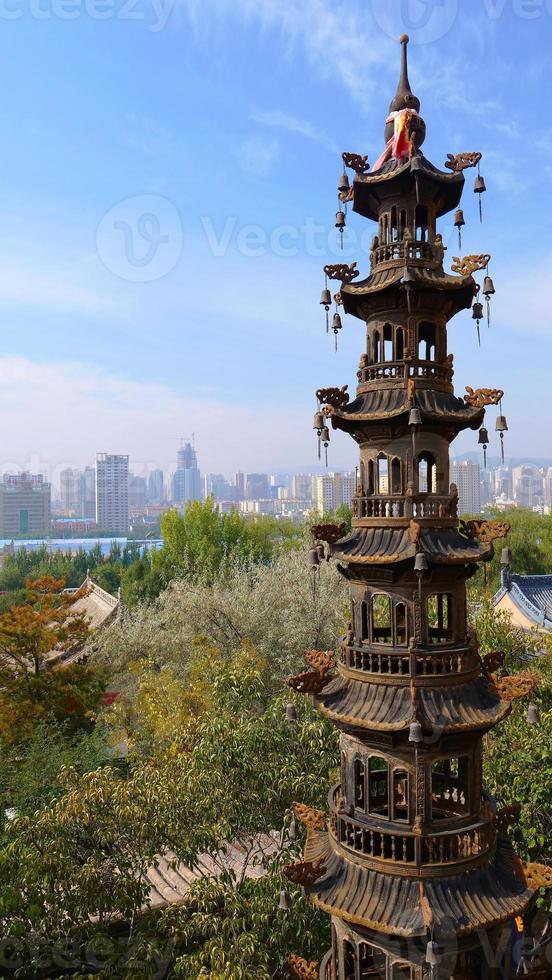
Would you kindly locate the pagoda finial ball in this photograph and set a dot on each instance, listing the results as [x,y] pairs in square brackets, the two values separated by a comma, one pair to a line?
[404,39]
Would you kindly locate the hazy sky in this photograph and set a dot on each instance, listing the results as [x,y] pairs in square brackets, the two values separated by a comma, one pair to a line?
[167,203]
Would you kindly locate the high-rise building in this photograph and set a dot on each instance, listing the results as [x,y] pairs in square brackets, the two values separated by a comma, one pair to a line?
[112,492]
[71,492]
[467,477]
[25,505]
[156,487]
[527,484]
[89,493]
[239,483]
[137,491]
[256,487]
[301,486]
[503,482]
[547,486]
[186,480]
[332,490]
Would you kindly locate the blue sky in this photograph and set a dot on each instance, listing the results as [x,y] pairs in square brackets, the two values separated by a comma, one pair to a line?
[167,201]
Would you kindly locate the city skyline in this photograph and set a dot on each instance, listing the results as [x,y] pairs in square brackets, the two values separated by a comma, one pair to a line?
[138,350]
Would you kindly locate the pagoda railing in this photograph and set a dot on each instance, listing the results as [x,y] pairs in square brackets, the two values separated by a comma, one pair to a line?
[399,370]
[417,505]
[410,250]
[408,663]
[396,847]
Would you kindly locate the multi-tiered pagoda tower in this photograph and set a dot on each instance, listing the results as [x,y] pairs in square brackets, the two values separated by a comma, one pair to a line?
[413,863]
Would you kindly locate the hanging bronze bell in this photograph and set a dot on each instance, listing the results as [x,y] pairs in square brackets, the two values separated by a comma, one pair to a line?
[533,714]
[340,220]
[484,441]
[479,185]
[420,563]
[313,557]
[343,184]
[415,732]
[284,904]
[483,436]
[505,557]
[479,189]
[501,426]
[488,287]
[336,323]
[459,223]
[415,417]
[477,315]
[319,421]
[326,298]
[291,713]
[325,434]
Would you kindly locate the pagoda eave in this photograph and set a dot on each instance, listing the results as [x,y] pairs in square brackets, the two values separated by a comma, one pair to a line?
[395,179]
[382,291]
[381,404]
[388,545]
[458,904]
[370,705]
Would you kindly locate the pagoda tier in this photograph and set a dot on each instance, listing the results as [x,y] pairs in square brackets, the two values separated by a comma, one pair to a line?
[412,848]
[374,192]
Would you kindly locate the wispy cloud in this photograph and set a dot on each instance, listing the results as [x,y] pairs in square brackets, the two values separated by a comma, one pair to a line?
[257,156]
[60,414]
[278,119]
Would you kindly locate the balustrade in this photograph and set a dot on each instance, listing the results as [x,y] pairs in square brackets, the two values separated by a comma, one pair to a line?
[430,370]
[418,505]
[399,847]
[404,664]
[403,250]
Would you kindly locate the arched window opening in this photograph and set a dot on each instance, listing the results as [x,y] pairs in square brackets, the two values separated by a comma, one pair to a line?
[370,487]
[387,342]
[401,638]
[427,341]
[399,344]
[349,960]
[382,463]
[450,787]
[396,482]
[421,222]
[400,795]
[439,618]
[360,784]
[364,620]
[377,351]
[402,222]
[386,228]
[427,473]
[362,477]
[394,224]
[372,962]
[378,786]
[381,618]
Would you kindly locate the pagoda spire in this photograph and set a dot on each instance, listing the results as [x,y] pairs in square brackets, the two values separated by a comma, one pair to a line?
[404,96]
